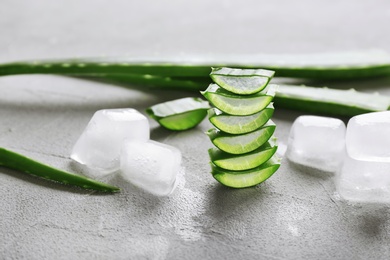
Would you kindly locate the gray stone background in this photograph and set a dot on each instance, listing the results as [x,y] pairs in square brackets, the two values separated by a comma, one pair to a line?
[296,214]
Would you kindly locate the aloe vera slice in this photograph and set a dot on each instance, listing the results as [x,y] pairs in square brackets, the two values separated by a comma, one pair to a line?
[245,143]
[247,178]
[245,161]
[330,101]
[241,81]
[179,114]
[239,124]
[238,105]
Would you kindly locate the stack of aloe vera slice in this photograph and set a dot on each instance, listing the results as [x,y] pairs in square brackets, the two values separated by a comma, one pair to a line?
[244,152]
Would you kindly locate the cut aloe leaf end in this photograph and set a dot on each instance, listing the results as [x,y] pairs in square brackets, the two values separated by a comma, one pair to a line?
[239,124]
[247,178]
[241,81]
[240,144]
[238,105]
[245,161]
[180,114]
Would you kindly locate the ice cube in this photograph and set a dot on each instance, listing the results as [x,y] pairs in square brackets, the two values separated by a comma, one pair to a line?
[317,142]
[367,137]
[364,181]
[99,145]
[151,166]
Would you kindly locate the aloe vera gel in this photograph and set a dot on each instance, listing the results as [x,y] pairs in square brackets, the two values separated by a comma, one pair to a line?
[244,152]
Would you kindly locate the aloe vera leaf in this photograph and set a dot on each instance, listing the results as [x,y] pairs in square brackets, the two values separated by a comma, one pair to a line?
[245,161]
[247,178]
[238,105]
[241,81]
[179,114]
[152,82]
[245,143]
[330,101]
[344,65]
[240,124]
[27,165]
[103,67]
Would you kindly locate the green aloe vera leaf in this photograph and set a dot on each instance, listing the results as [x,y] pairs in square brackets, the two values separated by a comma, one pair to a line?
[96,67]
[179,114]
[245,143]
[342,65]
[330,101]
[16,161]
[245,161]
[247,178]
[239,124]
[239,105]
[241,81]
[140,81]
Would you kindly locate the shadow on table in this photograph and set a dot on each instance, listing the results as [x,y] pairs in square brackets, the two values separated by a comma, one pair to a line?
[225,201]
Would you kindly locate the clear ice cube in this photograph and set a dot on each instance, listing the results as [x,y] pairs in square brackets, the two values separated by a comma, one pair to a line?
[368,137]
[364,181]
[365,175]
[317,142]
[98,147]
[151,166]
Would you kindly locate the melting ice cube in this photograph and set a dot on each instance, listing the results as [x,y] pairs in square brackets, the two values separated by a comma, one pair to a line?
[365,175]
[368,137]
[98,147]
[317,142]
[364,181]
[150,165]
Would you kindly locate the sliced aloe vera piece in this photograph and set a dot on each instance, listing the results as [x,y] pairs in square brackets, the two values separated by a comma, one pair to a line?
[238,105]
[247,178]
[245,161]
[241,81]
[330,101]
[240,124]
[179,114]
[245,143]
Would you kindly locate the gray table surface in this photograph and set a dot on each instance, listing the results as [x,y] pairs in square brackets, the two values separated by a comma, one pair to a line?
[296,214]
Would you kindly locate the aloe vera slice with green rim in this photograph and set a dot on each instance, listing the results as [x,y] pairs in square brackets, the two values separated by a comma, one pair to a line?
[179,114]
[245,143]
[241,81]
[239,124]
[238,105]
[247,178]
[245,161]
[330,101]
